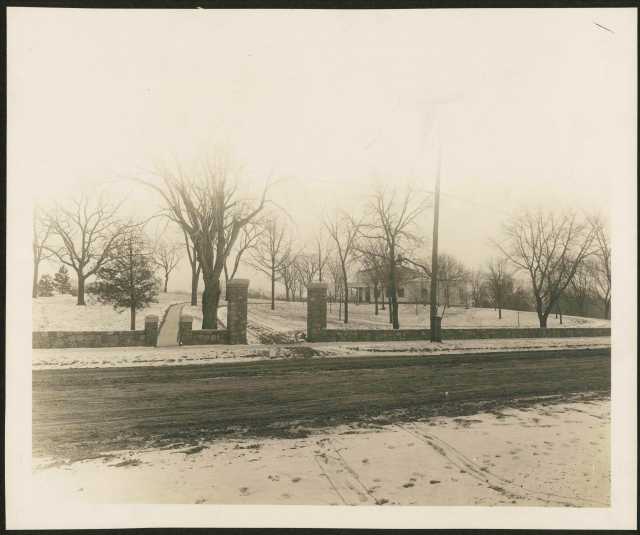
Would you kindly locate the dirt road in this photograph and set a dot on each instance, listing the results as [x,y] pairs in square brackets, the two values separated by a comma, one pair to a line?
[78,413]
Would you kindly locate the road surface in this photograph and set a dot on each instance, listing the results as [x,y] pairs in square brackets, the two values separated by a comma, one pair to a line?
[82,412]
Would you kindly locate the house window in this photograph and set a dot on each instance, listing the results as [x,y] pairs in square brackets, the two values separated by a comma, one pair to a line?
[400,292]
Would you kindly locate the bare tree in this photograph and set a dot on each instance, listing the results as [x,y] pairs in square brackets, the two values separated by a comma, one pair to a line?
[476,280]
[344,231]
[85,234]
[602,264]
[166,256]
[308,268]
[289,277]
[499,283]
[582,285]
[335,273]
[323,253]
[271,252]
[393,221]
[41,236]
[549,247]
[451,274]
[208,207]
[373,258]
[196,268]
[248,239]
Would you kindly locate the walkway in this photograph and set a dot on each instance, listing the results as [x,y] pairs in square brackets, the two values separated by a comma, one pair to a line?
[168,335]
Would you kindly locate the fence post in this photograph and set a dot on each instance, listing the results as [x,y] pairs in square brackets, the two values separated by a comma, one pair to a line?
[237,295]
[316,310]
[185,327]
[150,330]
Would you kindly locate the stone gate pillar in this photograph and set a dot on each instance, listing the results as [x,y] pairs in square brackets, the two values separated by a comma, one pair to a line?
[150,330]
[316,310]
[185,326]
[237,293]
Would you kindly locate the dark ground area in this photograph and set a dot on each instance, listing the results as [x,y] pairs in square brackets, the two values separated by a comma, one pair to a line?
[79,413]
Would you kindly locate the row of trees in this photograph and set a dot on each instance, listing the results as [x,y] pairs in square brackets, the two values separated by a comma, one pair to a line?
[566,260]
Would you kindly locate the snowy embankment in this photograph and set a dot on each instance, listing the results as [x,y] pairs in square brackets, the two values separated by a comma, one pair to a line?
[61,313]
[171,356]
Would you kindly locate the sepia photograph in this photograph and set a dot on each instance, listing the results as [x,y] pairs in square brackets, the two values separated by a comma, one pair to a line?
[379,265]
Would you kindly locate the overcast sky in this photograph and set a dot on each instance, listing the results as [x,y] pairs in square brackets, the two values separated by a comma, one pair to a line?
[529,107]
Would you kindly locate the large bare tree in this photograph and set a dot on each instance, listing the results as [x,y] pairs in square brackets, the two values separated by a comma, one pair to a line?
[85,232]
[549,246]
[602,264]
[393,221]
[196,268]
[41,237]
[166,256]
[271,252]
[207,206]
[344,231]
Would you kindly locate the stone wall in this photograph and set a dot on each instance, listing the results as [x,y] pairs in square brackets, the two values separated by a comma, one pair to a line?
[383,335]
[62,339]
[65,339]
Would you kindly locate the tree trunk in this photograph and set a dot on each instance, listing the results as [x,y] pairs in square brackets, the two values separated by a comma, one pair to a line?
[210,298]
[543,320]
[499,313]
[346,295]
[133,318]
[273,287]
[166,282]
[375,298]
[34,289]
[195,275]
[393,295]
[80,300]
[607,309]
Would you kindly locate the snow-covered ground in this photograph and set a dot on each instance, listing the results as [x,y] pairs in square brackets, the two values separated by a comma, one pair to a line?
[171,356]
[60,313]
[552,454]
[290,316]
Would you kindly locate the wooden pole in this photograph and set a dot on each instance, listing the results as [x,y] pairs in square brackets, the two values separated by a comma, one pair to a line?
[434,334]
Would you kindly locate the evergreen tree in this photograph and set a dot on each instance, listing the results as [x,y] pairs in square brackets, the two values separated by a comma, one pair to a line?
[127,279]
[45,286]
[61,281]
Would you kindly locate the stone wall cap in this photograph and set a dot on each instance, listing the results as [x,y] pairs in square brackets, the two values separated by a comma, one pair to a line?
[318,284]
[238,282]
[186,317]
[150,318]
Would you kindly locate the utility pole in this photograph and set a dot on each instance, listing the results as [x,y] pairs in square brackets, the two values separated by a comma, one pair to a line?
[434,320]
